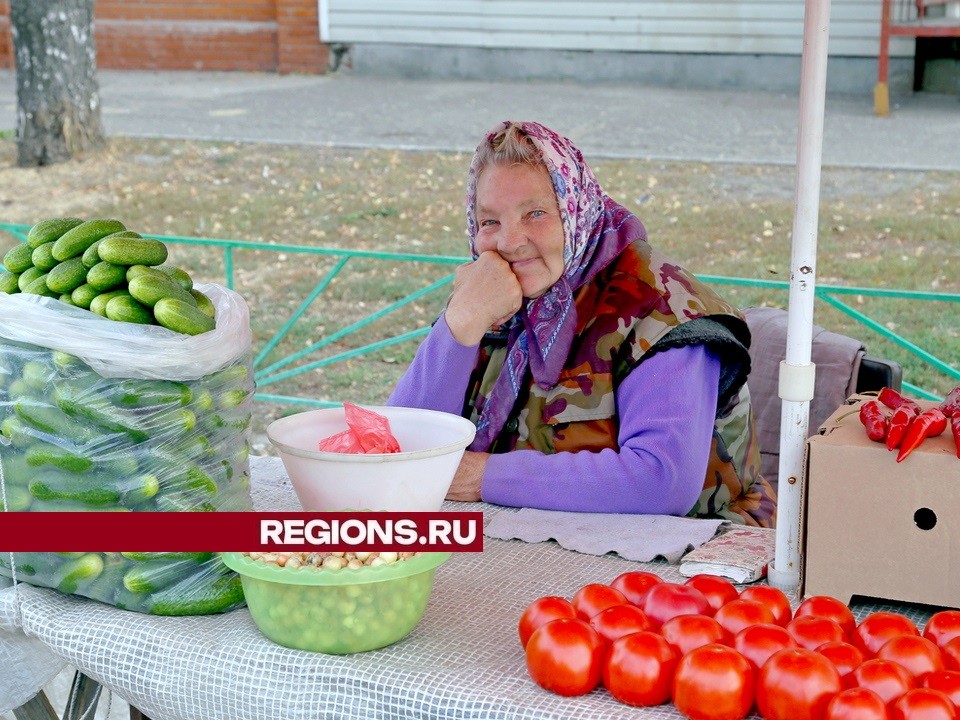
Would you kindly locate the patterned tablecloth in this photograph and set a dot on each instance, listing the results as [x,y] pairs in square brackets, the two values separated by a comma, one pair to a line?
[463,660]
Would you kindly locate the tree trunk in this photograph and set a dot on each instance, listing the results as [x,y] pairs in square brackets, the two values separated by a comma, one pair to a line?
[58,97]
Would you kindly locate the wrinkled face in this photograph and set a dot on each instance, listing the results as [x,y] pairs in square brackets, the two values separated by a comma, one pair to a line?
[517,216]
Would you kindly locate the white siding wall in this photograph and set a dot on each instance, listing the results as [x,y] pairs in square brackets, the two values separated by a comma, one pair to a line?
[675,26]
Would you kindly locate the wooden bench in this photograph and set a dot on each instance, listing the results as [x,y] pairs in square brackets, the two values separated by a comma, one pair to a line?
[910,18]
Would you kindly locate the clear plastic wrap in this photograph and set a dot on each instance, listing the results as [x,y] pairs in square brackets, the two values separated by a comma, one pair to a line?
[103,415]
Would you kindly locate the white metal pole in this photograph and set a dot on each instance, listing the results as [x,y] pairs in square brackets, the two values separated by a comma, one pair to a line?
[797,372]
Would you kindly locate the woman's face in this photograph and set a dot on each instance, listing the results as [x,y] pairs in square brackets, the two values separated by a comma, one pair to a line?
[517,217]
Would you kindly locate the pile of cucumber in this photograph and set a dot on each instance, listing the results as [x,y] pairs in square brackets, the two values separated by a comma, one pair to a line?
[74,441]
[101,266]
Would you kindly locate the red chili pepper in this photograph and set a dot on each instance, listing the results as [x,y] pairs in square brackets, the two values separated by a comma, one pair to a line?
[900,421]
[891,398]
[951,403]
[875,420]
[929,423]
[955,428]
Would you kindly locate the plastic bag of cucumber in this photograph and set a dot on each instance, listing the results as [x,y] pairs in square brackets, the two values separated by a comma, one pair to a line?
[105,407]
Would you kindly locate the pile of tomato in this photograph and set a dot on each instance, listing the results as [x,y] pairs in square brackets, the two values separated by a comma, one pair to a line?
[719,653]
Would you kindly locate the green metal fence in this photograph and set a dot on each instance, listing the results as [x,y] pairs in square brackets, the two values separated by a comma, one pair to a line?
[285,368]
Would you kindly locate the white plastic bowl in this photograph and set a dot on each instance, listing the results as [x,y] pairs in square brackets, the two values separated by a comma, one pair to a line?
[416,479]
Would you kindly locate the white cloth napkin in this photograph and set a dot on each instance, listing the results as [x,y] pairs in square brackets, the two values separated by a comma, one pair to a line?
[641,538]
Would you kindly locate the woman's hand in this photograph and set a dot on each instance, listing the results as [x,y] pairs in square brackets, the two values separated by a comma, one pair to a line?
[469,477]
[485,293]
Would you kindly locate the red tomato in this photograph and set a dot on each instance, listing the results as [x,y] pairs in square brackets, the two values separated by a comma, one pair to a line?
[951,654]
[942,626]
[845,658]
[713,682]
[758,642]
[619,620]
[592,598]
[796,684]
[773,598]
[639,669]
[947,682]
[668,600]
[858,703]
[878,627]
[634,585]
[886,678]
[923,704]
[829,607]
[812,631]
[541,611]
[738,614]
[686,632]
[917,654]
[565,656]
[718,591]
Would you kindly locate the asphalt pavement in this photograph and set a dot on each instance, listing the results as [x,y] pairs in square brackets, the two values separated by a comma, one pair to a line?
[604,119]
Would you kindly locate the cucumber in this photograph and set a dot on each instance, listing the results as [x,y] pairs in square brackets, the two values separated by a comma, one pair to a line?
[101,413]
[8,282]
[39,286]
[106,276]
[18,499]
[132,251]
[181,276]
[17,431]
[55,485]
[67,299]
[223,594]
[46,231]
[147,577]
[36,374]
[18,259]
[182,317]
[42,257]
[149,393]
[232,398]
[41,453]
[71,574]
[84,295]
[124,308]
[67,276]
[151,287]
[67,364]
[99,303]
[90,256]
[197,557]
[75,241]
[204,303]
[28,276]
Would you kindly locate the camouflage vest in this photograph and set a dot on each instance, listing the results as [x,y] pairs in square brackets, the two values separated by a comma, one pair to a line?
[622,313]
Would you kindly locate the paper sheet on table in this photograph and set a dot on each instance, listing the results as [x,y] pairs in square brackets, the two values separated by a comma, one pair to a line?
[633,537]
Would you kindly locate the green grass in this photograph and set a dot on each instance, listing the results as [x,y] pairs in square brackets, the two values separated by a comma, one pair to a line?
[878,229]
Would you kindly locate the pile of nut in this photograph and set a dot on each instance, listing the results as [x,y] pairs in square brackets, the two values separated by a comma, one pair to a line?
[331,560]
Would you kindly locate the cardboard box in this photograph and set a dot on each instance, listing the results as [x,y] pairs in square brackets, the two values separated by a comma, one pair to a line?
[875,527]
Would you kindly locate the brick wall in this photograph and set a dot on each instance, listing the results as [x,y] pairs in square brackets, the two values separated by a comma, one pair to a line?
[250,35]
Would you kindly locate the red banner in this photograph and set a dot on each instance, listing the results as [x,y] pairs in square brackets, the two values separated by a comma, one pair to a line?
[240,531]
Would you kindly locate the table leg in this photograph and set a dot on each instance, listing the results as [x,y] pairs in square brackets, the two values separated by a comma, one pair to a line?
[83,698]
[36,708]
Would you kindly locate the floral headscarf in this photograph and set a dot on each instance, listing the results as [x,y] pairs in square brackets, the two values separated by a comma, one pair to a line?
[595,230]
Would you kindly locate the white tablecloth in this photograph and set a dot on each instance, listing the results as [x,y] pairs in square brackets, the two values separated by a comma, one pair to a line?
[463,660]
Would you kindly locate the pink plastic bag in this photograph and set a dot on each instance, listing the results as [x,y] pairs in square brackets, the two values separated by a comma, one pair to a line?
[368,432]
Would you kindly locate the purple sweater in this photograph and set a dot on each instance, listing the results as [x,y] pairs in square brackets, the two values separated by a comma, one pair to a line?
[666,406]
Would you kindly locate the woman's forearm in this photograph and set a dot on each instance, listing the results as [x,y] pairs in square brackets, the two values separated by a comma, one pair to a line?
[438,376]
[667,409]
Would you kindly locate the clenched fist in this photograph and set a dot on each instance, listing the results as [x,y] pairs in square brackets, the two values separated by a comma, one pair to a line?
[485,293]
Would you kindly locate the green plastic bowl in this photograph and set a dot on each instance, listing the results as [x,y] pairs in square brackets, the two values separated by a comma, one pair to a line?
[337,612]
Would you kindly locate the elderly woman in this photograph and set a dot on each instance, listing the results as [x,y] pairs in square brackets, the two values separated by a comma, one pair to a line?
[601,376]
